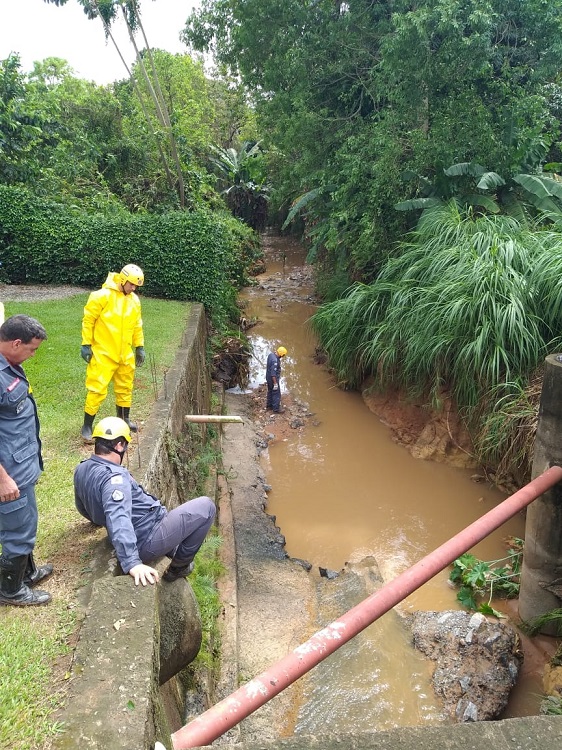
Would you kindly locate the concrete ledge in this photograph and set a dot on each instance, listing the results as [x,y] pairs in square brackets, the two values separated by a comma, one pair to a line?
[116,666]
[132,638]
[530,733]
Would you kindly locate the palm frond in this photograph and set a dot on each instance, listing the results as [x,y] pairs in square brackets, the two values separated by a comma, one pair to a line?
[462,169]
[300,202]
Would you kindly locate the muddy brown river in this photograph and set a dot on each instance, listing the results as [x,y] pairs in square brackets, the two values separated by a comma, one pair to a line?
[342,490]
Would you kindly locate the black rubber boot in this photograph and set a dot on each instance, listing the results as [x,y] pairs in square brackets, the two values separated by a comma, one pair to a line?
[123,413]
[34,574]
[178,569]
[13,590]
[86,431]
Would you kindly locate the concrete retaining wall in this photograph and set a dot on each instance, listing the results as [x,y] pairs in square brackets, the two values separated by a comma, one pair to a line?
[128,642]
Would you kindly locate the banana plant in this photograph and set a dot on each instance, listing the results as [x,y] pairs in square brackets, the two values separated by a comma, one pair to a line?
[473,185]
[242,174]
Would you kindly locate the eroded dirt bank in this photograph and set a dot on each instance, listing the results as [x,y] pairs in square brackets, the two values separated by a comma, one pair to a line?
[284,302]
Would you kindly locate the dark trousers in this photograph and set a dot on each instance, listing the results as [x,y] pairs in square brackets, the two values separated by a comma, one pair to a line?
[18,523]
[181,532]
[273,397]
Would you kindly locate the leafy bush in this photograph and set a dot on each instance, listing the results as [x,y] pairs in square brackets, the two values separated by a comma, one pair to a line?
[470,303]
[198,255]
[477,578]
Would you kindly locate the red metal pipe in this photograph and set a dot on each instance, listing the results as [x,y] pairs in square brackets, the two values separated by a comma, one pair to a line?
[244,701]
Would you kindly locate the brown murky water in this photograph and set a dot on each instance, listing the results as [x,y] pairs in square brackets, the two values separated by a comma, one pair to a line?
[341,490]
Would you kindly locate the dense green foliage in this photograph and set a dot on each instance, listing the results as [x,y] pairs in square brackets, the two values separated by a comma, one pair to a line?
[101,146]
[193,255]
[480,579]
[472,303]
[353,97]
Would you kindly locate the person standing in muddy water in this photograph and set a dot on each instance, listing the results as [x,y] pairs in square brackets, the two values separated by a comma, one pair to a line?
[273,379]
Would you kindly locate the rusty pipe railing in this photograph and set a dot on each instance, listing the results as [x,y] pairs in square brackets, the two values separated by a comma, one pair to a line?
[244,701]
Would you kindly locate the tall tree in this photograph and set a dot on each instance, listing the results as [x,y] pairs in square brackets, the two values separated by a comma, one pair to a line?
[107,11]
[20,127]
[352,94]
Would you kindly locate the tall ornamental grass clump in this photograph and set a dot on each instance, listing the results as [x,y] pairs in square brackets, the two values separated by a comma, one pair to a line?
[472,303]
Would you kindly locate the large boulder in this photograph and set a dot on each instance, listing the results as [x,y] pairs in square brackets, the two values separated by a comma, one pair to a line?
[180,627]
[477,661]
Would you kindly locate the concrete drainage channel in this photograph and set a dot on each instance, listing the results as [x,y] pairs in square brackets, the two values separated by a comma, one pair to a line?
[133,640]
[268,627]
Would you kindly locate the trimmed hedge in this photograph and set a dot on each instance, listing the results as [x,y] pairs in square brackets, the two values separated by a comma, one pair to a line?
[198,255]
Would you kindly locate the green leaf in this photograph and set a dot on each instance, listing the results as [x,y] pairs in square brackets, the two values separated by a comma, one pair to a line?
[417,203]
[533,184]
[456,574]
[486,609]
[466,598]
[302,200]
[466,561]
[464,169]
[490,180]
[478,575]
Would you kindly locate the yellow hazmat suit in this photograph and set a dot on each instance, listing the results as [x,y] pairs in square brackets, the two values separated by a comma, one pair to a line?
[112,326]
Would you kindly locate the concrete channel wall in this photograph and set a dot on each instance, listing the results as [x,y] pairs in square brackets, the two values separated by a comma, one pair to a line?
[123,694]
[134,639]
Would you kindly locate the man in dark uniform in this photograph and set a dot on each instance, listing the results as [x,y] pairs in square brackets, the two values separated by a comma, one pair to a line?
[20,465]
[273,379]
[138,525]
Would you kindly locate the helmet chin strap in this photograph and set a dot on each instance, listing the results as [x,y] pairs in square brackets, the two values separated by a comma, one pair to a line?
[120,454]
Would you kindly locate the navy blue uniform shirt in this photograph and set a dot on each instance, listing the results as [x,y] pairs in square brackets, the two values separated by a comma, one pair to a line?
[107,494]
[273,367]
[20,446]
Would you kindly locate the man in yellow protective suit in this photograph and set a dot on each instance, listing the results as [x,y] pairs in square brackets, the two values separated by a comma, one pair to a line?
[111,329]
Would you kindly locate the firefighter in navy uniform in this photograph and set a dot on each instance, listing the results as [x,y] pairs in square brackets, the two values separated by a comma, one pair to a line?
[139,527]
[273,379]
[20,465]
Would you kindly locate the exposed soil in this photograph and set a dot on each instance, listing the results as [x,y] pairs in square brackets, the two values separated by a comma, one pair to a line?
[427,434]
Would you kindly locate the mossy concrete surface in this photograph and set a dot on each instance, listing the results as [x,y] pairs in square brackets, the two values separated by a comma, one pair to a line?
[133,638]
[530,733]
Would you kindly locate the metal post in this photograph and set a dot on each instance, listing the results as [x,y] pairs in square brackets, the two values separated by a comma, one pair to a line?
[541,575]
[214,418]
[244,701]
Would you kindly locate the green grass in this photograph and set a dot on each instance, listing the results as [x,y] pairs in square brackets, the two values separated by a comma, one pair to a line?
[34,646]
[207,569]
[471,304]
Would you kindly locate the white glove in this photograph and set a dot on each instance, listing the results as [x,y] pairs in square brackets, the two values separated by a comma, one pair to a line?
[276,387]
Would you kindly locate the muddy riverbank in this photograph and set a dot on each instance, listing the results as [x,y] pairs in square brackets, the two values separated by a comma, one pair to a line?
[345,486]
